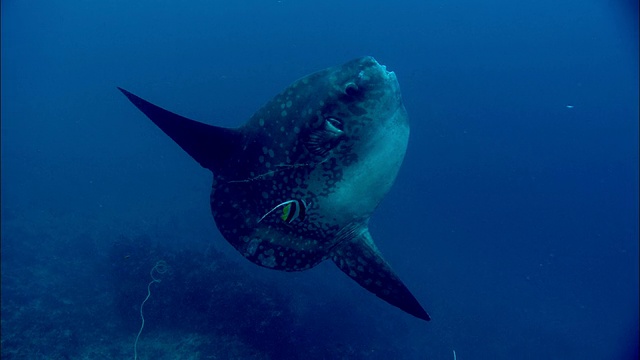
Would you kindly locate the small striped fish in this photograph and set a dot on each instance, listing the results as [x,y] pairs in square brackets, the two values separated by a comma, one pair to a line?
[291,210]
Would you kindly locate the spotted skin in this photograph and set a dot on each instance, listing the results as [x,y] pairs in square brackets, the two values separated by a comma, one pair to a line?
[334,139]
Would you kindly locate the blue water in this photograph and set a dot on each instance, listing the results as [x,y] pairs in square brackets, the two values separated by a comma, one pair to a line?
[514,219]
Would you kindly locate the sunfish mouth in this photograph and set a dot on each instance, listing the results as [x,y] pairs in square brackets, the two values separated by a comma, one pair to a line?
[376,74]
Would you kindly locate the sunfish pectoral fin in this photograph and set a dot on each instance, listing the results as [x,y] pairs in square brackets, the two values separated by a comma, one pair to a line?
[209,145]
[360,259]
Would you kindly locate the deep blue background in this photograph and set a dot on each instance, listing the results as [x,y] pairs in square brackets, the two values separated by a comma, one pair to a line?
[514,218]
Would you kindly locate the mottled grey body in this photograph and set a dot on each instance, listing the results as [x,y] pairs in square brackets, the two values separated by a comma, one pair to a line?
[335,140]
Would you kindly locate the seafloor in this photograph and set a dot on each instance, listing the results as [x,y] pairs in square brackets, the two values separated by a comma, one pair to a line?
[72,289]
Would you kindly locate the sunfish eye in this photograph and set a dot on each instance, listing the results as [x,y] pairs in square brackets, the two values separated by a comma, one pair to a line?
[351,89]
[334,125]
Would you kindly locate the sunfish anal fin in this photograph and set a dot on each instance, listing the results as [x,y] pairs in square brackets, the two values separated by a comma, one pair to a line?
[361,260]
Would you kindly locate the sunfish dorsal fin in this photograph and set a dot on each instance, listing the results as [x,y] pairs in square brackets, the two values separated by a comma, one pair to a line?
[208,145]
[361,260]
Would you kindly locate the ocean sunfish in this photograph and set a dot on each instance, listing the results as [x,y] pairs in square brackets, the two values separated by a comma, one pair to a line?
[296,184]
